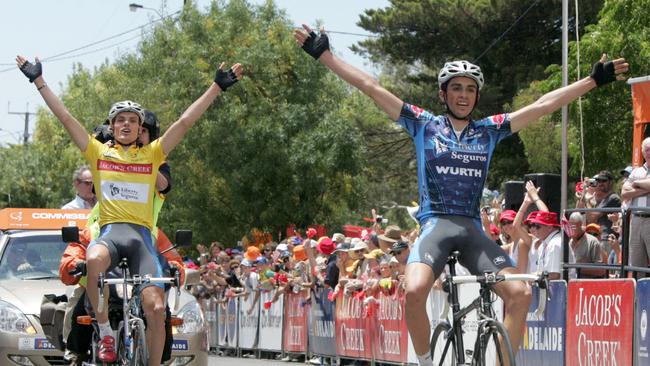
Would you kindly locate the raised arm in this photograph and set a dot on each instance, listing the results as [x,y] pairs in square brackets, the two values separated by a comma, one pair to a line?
[603,73]
[317,46]
[222,81]
[34,72]
[532,192]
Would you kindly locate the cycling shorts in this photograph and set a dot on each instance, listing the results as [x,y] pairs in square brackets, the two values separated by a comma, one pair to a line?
[441,235]
[133,242]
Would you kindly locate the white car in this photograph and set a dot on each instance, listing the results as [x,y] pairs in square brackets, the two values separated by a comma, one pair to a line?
[31,248]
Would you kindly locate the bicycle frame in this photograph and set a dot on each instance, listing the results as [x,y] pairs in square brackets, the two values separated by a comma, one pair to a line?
[482,304]
[136,281]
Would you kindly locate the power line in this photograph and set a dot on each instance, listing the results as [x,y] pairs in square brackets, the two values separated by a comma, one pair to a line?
[505,32]
[59,55]
[353,34]
[95,50]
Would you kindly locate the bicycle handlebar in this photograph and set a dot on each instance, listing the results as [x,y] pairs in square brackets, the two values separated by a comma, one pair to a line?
[137,280]
[492,278]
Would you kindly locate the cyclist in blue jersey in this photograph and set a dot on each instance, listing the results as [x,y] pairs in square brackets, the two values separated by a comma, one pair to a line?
[453,153]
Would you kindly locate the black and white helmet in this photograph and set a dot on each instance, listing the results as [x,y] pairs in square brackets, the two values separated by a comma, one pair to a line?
[125,106]
[460,68]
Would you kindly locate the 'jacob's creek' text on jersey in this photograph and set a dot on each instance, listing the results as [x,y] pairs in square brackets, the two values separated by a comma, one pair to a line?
[125,181]
[451,171]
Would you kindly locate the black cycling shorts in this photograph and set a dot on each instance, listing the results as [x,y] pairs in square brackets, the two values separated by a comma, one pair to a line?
[133,242]
[441,235]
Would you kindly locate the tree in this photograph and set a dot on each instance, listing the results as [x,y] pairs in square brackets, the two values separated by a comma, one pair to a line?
[622,31]
[278,148]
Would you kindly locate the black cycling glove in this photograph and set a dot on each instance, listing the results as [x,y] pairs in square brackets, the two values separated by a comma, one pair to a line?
[32,70]
[603,73]
[316,44]
[225,79]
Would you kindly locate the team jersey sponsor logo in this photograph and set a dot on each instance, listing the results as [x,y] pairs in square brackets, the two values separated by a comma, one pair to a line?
[124,167]
[441,147]
[466,158]
[125,191]
[463,172]
[111,153]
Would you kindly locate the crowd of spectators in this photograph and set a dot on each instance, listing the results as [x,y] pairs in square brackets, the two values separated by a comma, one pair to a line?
[375,261]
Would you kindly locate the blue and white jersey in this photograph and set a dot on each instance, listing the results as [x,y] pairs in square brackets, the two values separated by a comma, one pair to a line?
[451,171]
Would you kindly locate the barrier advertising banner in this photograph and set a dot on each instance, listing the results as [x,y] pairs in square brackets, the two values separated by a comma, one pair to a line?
[295,323]
[352,328]
[222,325]
[322,340]
[543,343]
[232,327]
[600,320]
[641,325]
[249,316]
[270,323]
[390,333]
[210,310]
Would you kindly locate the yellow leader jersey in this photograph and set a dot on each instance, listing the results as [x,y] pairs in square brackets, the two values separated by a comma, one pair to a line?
[125,181]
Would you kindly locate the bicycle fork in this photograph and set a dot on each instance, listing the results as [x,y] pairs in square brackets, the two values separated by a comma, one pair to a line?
[457,315]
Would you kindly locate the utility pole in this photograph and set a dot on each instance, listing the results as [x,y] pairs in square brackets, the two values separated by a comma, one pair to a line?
[27,113]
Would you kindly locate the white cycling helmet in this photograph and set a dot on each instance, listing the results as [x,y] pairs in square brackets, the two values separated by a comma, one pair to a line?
[125,106]
[460,68]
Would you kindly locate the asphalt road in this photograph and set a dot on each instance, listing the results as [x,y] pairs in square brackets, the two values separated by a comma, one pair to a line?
[220,360]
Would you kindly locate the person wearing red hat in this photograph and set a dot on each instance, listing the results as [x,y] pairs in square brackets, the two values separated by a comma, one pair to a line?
[546,252]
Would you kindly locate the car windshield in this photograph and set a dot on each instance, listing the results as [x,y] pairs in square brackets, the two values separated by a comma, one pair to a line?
[32,257]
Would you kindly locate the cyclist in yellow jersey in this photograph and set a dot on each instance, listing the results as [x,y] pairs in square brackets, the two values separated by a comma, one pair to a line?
[125,176]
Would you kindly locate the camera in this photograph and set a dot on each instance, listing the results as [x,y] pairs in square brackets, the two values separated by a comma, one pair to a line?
[381,220]
[593,182]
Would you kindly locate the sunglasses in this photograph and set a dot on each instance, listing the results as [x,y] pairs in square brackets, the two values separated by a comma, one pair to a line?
[234,267]
[534,226]
[397,252]
[505,222]
[86,182]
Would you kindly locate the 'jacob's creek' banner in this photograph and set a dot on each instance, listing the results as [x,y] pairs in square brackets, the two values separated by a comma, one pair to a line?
[543,343]
[390,334]
[599,327]
[295,327]
[352,328]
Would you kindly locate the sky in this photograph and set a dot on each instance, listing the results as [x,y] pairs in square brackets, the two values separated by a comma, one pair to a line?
[51,29]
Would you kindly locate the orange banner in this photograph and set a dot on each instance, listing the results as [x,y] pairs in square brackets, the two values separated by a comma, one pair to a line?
[41,218]
[641,108]
[641,102]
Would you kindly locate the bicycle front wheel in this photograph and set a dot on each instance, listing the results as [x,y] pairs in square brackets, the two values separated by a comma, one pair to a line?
[443,345]
[139,346]
[493,346]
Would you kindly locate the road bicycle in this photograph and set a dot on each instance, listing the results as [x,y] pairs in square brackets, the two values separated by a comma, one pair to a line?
[492,339]
[125,312]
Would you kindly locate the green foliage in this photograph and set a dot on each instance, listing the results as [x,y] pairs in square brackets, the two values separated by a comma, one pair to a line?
[622,31]
[279,147]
